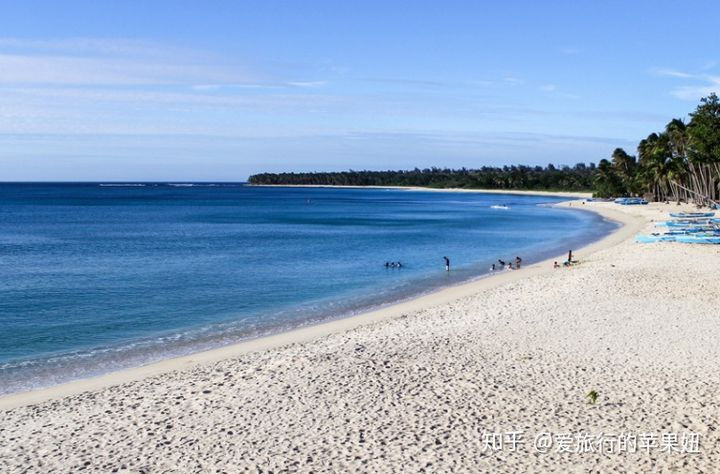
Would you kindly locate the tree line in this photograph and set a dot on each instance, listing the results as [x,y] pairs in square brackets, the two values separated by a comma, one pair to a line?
[565,178]
[680,163]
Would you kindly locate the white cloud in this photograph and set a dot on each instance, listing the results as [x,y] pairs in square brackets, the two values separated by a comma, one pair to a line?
[513,80]
[115,47]
[672,73]
[705,84]
[694,93]
[310,84]
[63,97]
[569,51]
[711,64]
[70,70]
[114,62]
[552,89]
[218,87]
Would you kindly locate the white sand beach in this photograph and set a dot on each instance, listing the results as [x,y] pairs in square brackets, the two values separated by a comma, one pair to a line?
[426,385]
[570,194]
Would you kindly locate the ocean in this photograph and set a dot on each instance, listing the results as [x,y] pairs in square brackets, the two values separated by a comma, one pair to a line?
[96,277]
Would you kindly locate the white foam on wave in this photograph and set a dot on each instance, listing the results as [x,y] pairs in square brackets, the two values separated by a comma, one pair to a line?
[123,185]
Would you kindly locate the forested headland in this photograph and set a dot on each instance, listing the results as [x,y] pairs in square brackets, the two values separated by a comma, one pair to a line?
[680,163]
[577,178]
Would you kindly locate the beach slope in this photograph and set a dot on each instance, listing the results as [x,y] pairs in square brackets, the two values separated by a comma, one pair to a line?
[467,381]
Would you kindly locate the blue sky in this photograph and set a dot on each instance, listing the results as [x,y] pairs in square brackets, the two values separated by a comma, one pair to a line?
[180,90]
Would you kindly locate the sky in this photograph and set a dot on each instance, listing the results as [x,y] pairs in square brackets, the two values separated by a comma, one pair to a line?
[218,90]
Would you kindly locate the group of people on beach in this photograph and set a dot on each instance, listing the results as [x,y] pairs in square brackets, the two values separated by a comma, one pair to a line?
[503,265]
[567,262]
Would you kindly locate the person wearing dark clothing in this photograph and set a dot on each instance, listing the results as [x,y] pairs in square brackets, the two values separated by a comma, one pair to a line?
[447,264]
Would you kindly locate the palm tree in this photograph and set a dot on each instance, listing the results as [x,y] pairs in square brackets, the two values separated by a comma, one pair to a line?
[704,147]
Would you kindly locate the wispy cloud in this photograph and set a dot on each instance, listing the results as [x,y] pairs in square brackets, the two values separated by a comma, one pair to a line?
[695,93]
[552,90]
[267,85]
[116,47]
[710,64]
[474,138]
[671,73]
[103,84]
[123,62]
[513,80]
[306,84]
[704,84]
[407,82]
[63,97]
[70,70]
[569,51]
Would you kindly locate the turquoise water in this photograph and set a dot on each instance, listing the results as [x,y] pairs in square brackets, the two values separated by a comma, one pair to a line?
[101,277]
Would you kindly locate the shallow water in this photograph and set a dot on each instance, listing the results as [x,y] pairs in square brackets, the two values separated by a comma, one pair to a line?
[98,277]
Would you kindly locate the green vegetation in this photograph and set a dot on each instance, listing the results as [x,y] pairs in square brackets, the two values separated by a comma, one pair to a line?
[592,397]
[577,178]
[681,163]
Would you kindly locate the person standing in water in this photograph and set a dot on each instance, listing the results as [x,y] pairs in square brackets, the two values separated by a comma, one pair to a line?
[518,261]
[447,264]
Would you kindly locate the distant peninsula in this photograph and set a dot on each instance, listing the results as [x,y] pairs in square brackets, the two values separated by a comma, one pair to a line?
[680,163]
[530,178]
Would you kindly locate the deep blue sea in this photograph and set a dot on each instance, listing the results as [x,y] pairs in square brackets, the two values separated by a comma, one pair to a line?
[97,277]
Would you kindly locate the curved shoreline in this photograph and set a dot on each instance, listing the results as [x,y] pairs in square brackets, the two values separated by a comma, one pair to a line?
[519,192]
[630,225]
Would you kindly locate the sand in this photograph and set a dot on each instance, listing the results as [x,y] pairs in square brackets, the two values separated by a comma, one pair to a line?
[570,194]
[423,386]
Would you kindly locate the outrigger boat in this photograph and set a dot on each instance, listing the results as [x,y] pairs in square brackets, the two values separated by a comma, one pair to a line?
[691,215]
[630,201]
[651,239]
[689,223]
[698,239]
[687,237]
